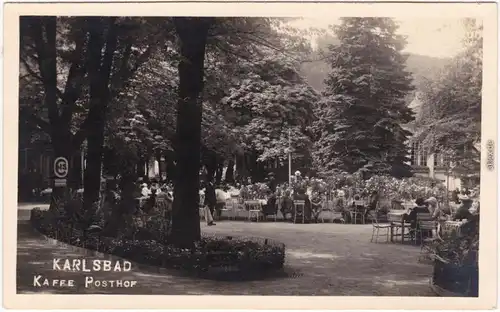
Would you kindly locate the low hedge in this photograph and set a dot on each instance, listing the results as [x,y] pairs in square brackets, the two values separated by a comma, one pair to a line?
[212,257]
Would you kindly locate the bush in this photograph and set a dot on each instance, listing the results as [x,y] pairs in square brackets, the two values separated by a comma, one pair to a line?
[211,257]
[456,261]
[458,279]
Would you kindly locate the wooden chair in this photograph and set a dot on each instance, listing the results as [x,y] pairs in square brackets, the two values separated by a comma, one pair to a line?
[426,227]
[254,209]
[427,245]
[452,228]
[358,212]
[377,227]
[239,206]
[395,218]
[274,209]
[299,206]
[319,205]
[229,208]
[425,224]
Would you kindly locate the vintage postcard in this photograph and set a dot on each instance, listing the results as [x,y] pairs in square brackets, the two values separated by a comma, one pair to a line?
[316,155]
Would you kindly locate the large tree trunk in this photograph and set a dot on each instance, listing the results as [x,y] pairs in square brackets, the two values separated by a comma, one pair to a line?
[230,172]
[44,34]
[218,172]
[126,205]
[42,31]
[193,34]
[241,169]
[210,165]
[140,169]
[75,173]
[99,74]
[92,175]
[58,192]
[169,159]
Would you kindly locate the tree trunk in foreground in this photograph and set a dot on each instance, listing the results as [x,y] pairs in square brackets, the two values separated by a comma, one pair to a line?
[230,172]
[192,33]
[218,172]
[100,65]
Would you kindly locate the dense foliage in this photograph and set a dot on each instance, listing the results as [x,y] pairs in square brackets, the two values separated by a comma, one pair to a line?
[272,100]
[360,117]
[228,92]
[450,117]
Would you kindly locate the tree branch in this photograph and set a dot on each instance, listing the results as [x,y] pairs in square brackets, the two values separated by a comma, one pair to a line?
[31,117]
[46,51]
[124,75]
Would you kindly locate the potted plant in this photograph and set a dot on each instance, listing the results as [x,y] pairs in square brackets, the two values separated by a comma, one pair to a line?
[456,262]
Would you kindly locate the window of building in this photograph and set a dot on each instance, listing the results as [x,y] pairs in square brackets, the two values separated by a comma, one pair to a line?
[440,160]
[418,155]
[414,154]
[422,156]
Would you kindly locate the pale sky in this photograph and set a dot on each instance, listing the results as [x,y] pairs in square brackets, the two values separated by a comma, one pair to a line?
[425,36]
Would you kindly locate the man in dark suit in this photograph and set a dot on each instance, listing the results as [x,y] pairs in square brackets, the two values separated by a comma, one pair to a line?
[271,208]
[210,199]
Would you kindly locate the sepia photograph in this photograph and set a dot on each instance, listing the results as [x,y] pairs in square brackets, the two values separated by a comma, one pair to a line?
[301,155]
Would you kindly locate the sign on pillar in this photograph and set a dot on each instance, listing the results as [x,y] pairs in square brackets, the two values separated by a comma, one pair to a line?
[61,167]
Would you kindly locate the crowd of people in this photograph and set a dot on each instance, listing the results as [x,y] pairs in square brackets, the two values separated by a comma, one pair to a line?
[281,197]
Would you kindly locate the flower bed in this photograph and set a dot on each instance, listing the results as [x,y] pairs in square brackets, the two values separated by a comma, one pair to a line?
[212,256]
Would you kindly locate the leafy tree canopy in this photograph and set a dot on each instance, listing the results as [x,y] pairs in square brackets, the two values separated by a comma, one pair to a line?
[360,118]
[450,116]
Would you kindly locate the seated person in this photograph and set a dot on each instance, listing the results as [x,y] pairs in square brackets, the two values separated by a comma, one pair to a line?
[454,196]
[434,208]
[316,205]
[145,191]
[463,211]
[164,194]
[420,207]
[286,204]
[150,201]
[354,202]
[270,208]
[372,204]
[475,207]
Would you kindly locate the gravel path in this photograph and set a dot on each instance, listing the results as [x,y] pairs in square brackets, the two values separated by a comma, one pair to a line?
[321,260]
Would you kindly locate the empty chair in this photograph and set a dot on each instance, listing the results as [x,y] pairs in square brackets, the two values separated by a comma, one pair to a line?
[254,209]
[229,208]
[299,209]
[395,218]
[377,227]
[425,225]
[358,212]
